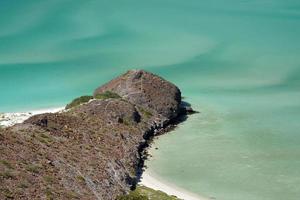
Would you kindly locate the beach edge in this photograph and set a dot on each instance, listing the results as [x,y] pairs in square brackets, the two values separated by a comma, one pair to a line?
[150,180]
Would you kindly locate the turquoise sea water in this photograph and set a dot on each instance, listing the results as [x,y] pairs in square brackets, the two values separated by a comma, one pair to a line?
[236,61]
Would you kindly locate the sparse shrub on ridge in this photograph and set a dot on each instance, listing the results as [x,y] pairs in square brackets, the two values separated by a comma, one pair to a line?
[33,168]
[78,101]
[6,175]
[133,195]
[144,193]
[146,113]
[84,99]
[6,164]
[7,193]
[107,95]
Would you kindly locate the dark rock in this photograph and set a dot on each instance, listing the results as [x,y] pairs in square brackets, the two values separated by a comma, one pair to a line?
[186,108]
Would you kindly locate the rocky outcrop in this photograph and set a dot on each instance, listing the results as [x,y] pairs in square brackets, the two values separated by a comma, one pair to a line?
[91,151]
[146,90]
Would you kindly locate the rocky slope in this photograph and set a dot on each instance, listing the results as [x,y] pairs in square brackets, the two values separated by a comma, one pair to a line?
[90,151]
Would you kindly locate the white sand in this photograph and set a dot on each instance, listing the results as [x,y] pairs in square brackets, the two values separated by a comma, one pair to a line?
[9,119]
[152,182]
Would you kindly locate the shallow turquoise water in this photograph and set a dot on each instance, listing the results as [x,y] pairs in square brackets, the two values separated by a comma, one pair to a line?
[236,61]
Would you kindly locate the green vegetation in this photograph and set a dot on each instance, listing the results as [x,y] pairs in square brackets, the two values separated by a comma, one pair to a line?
[133,195]
[6,164]
[84,99]
[71,195]
[144,193]
[6,175]
[127,121]
[49,179]
[78,101]
[107,95]
[44,138]
[33,168]
[80,178]
[146,113]
[23,185]
[7,193]
[49,194]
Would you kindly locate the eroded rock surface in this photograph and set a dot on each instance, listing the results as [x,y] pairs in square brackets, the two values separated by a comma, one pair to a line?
[147,90]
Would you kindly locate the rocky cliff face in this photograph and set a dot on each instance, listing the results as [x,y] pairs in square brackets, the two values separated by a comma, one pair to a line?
[146,90]
[91,151]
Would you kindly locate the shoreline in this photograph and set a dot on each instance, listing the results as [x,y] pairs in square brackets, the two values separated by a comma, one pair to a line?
[151,181]
[11,118]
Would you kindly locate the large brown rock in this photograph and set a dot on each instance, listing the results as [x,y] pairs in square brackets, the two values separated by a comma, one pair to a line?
[147,90]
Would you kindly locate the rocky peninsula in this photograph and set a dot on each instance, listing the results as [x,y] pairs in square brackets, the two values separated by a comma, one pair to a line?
[95,148]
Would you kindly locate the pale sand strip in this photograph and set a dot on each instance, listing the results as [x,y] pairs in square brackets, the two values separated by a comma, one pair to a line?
[9,119]
[152,182]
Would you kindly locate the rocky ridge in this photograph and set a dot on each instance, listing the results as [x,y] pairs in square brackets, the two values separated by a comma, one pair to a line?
[93,150]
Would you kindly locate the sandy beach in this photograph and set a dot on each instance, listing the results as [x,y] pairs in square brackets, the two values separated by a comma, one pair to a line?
[9,119]
[150,181]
